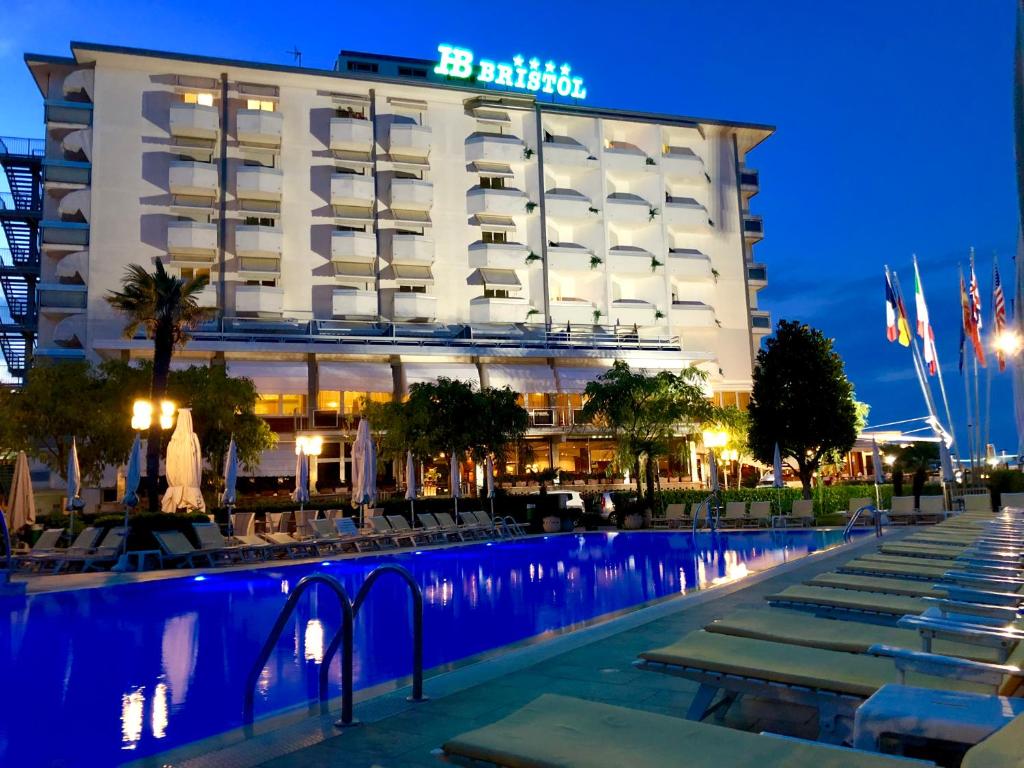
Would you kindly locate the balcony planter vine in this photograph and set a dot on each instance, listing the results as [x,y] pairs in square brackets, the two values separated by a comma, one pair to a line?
[527,153]
[531,313]
[658,314]
[530,206]
[595,261]
[592,209]
[650,161]
[652,213]
[655,263]
[597,316]
[715,274]
[532,257]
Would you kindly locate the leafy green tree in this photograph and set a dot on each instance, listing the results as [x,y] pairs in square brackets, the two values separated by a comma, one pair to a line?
[167,308]
[645,412]
[801,399]
[500,423]
[735,422]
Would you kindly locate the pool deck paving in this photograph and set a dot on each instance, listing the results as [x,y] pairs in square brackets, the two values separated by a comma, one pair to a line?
[594,663]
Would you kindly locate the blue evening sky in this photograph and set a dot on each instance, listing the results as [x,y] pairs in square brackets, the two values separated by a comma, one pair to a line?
[894,124]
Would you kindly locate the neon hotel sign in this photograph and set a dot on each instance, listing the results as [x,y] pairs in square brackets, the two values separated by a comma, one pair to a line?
[533,75]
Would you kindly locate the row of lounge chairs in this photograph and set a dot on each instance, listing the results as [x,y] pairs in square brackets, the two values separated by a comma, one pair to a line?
[735,514]
[939,609]
[87,552]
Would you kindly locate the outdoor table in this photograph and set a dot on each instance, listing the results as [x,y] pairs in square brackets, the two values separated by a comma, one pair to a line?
[927,713]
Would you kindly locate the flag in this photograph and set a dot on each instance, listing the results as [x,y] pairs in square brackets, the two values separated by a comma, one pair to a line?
[896,326]
[965,322]
[998,312]
[974,329]
[924,326]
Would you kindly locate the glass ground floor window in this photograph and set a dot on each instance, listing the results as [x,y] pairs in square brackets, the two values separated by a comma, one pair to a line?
[349,403]
[269,404]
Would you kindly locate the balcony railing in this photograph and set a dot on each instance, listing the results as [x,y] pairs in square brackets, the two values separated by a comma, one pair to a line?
[16,145]
[338,332]
[556,416]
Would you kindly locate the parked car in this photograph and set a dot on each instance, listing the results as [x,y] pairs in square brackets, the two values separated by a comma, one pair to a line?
[573,500]
[605,505]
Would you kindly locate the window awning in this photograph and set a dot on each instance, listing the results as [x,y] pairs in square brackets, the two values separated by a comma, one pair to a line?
[428,373]
[356,377]
[491,170]
[353,213]
[273,377]
[408,274]
[493,222]
[525,379]
[495,278]
[356,269]
[397,218]
[572,381]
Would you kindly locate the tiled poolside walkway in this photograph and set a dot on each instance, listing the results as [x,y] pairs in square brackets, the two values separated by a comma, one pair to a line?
[600,670]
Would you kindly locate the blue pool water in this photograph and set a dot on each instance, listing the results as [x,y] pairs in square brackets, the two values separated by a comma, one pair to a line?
[101,676]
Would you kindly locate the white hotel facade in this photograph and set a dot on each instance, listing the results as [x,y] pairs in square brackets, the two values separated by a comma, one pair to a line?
[376,225]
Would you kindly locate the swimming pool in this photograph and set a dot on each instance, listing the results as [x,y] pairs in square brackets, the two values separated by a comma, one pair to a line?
[101,676]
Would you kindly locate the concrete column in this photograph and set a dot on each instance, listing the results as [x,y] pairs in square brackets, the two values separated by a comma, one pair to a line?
[693,461]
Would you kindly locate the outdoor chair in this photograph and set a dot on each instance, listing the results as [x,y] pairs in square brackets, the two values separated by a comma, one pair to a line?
[431,525]
[179,550]
[802,512]
[104,555]
[1013,500]
[277,522]
[673,518]
[46,547]
[854,504]
[559,730]
[902,510]
[932,509]
[760,514]
[244,523]
[735,514]
[469,524]
[323,532]
[698,511]
[211,539]
[503,526]
[303,519]
[493,528]
[346,528]
[402,531]
[448,526]
[977,502]
[259,548]
[293,547]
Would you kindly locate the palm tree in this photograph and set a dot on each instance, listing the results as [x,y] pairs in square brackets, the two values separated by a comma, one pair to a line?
[167,308]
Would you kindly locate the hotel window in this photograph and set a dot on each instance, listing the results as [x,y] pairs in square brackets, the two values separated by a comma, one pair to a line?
[362,66]
[280,405]
[350,112]
[495,293]
[346,228]
[328,400]
[203,99]
[259,221]
[262,105]
[492,182]
[262,283]
[412,289]
[259,162]
[411,72]
[187,273]
[489,236]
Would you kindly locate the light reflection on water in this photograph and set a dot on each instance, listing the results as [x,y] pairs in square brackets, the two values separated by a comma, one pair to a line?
[192,643]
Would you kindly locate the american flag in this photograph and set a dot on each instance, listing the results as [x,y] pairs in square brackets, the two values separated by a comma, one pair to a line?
[975,299]
[998,311]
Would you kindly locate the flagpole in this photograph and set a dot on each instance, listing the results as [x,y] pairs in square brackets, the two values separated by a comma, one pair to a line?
[918,366]
[938,363]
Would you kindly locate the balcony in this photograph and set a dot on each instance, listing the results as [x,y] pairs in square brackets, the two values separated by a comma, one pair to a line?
[67,173]
[352,190]
[65,233]
[259,300]
[683,166]
[254,182]
[191,241]
[61,298]
[494,148]
[629,259]
[757,276]
[353,246]
[412,249]
[753,228]
[77,145]
[76,206]
[627,209]
[623,158]
[73,268]
[195,121]
[69,113]
[750,182]
[511,309]
[350,134]
[208,296]
[689,265]
[499,255]
[567,204]
[79,84]
[630,312]
[564,152]
[70,332]
[409,140]
[571,257]
[193,179]
[414,306]
[259,127]
[760,322]
[684,214]
[572,311]
[353,303]
[502,202]
[412,194]
[258,241]
[692,314]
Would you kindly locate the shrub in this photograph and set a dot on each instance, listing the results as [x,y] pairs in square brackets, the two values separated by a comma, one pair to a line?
[1005,481]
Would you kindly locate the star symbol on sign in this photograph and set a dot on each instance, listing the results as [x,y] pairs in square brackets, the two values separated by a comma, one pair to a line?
[566,69]
[517,60]
[550,66]
[534,63]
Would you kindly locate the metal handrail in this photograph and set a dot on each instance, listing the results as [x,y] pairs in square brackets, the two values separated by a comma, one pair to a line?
[711,518]
[7,549]
[344,635]
[856,516]
[416,595]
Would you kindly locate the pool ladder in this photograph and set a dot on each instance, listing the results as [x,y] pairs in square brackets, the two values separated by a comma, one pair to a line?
[710,516]
[877,516]
[343,639]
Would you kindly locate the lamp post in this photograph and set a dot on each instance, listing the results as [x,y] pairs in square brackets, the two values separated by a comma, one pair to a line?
[310,446]
[714,438]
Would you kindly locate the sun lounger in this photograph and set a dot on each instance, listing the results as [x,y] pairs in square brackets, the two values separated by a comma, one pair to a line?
[470,524]
[1012,500]
[402,531]
[47,542]
[506,526]
[931,509]
[45,549]
[803,511]
[383,533]
[105,553]
[212,540]
[835,683]
[491,528]
[760,514]
[977,502]
[362,540]
[448,526]
[902,510]
[293,547]
[556,730]
[834,601]
[277,522]
[259,548]
[674,514]
[323,533]
[868,583]
[917,568]
[179,550]
[735,515]
[243,523]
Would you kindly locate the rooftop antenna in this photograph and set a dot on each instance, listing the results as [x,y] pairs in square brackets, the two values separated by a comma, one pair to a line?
[296,54]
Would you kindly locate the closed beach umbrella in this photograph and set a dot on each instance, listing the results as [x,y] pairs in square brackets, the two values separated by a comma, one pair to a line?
[713,472]
[364,466]
[301,493]
[410,477]
[777,468]
[21,506]
[876,459]
[184,468]
[454,478]
[489,471]
[74,492]
[230,475]
[133,475]
[948,475]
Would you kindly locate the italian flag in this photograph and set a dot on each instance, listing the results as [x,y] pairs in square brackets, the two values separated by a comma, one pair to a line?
[924,327]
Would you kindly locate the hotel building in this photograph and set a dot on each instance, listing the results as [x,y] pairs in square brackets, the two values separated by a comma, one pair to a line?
[379,224]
